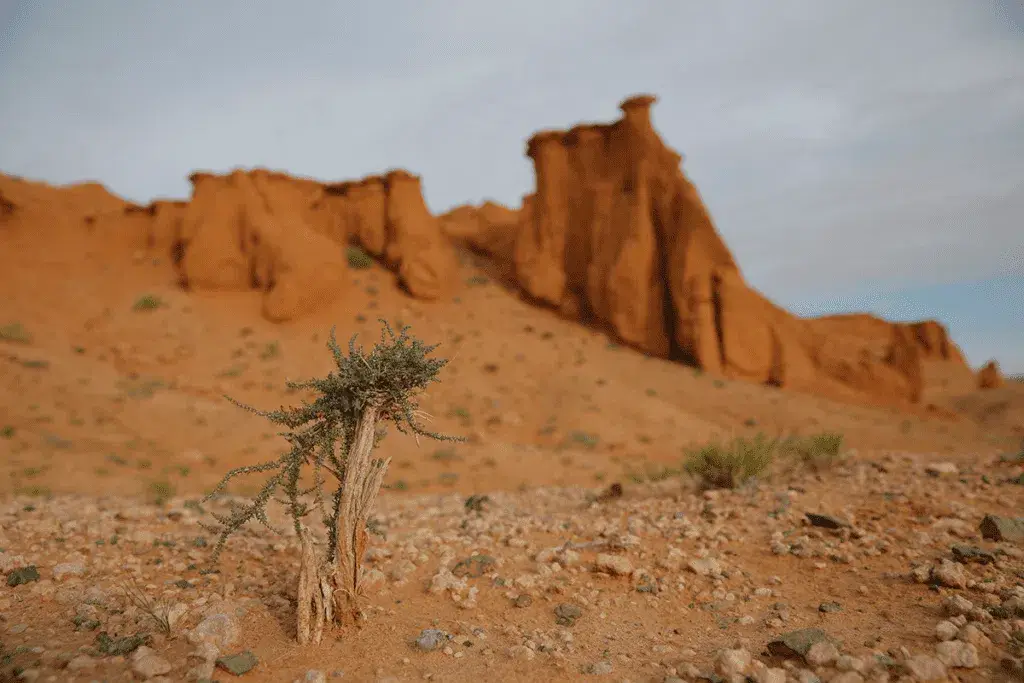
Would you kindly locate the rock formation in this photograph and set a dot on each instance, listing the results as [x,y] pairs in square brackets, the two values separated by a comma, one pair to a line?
[616,235]
[989,377]
[276,233]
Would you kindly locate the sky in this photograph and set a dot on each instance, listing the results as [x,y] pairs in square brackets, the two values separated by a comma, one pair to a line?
[855,154]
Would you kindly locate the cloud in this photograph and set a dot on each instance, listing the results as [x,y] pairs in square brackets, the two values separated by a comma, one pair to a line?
[836,143]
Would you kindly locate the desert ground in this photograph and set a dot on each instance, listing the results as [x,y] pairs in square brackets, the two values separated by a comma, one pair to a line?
[566,538]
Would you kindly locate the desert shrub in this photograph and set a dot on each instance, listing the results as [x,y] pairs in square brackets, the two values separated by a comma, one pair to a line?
[15,332]
[357,258]
[730,465]
[817,452]
[148,302]
[332,439]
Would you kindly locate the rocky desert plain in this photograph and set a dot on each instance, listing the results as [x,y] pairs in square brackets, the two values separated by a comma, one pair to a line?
[599,337]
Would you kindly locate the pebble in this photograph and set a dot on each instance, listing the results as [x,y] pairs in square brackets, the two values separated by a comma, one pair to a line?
[614,564]
[147,664]
[957,654]
[431,639]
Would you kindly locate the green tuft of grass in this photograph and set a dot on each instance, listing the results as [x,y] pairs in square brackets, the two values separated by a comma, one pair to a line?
[817,452]
[584,439]
[160,492]
[357,258]
[271,350]
[15,332]
[733,464]
[147,302]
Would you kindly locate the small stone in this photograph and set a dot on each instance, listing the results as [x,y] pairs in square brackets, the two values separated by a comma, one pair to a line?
[827,521]
[706,566]
[827,607]
[796,643]
[950,574]
[957,654]
[972,634]
[946,630]
[521,652]
[732,663]
[314,676]
[957,605]
[473,566]
[431,639]
[925,668]
[602,668]
[850,663]
[939,469]
[614,564]
[221,630]
[969,553]
[567,614]
[822,653]
[238,664]
[82,663]
[996,528]
[146,663]
[523,600]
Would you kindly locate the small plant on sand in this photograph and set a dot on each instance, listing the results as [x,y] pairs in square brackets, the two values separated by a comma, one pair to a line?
[817,452]
[148,302]
[332,438]
[731,465]
[157,610]
[357,258]
[15,332]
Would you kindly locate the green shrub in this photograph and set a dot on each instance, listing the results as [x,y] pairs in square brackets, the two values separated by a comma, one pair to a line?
[817,452]
[357,258]
[730,465]
[15,332]
[148,302]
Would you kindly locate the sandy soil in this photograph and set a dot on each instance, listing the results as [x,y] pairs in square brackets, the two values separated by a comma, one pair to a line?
[114,424]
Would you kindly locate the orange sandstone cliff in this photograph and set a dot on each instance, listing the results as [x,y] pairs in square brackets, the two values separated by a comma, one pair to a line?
[278,234]
[617,236]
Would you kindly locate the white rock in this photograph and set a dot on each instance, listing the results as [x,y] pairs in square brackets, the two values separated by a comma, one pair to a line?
[220,630]
[822,653]
[148,664]
[957,654]
[946,630]
[733,663]
[925,668]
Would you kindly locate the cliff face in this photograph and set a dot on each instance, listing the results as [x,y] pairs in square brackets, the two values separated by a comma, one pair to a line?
[278,234]
[616,235]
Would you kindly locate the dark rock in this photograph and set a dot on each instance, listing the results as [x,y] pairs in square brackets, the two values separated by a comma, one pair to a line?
[1003,528]
[238,664]
[567,614]
[827,521]
[474,566]
[968,553]
[523,600]
[17,577]
[796,643]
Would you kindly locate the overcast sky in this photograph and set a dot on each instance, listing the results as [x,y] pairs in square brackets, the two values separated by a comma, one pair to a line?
[855,153]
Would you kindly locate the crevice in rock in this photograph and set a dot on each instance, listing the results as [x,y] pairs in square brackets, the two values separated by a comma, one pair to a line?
[716,304]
